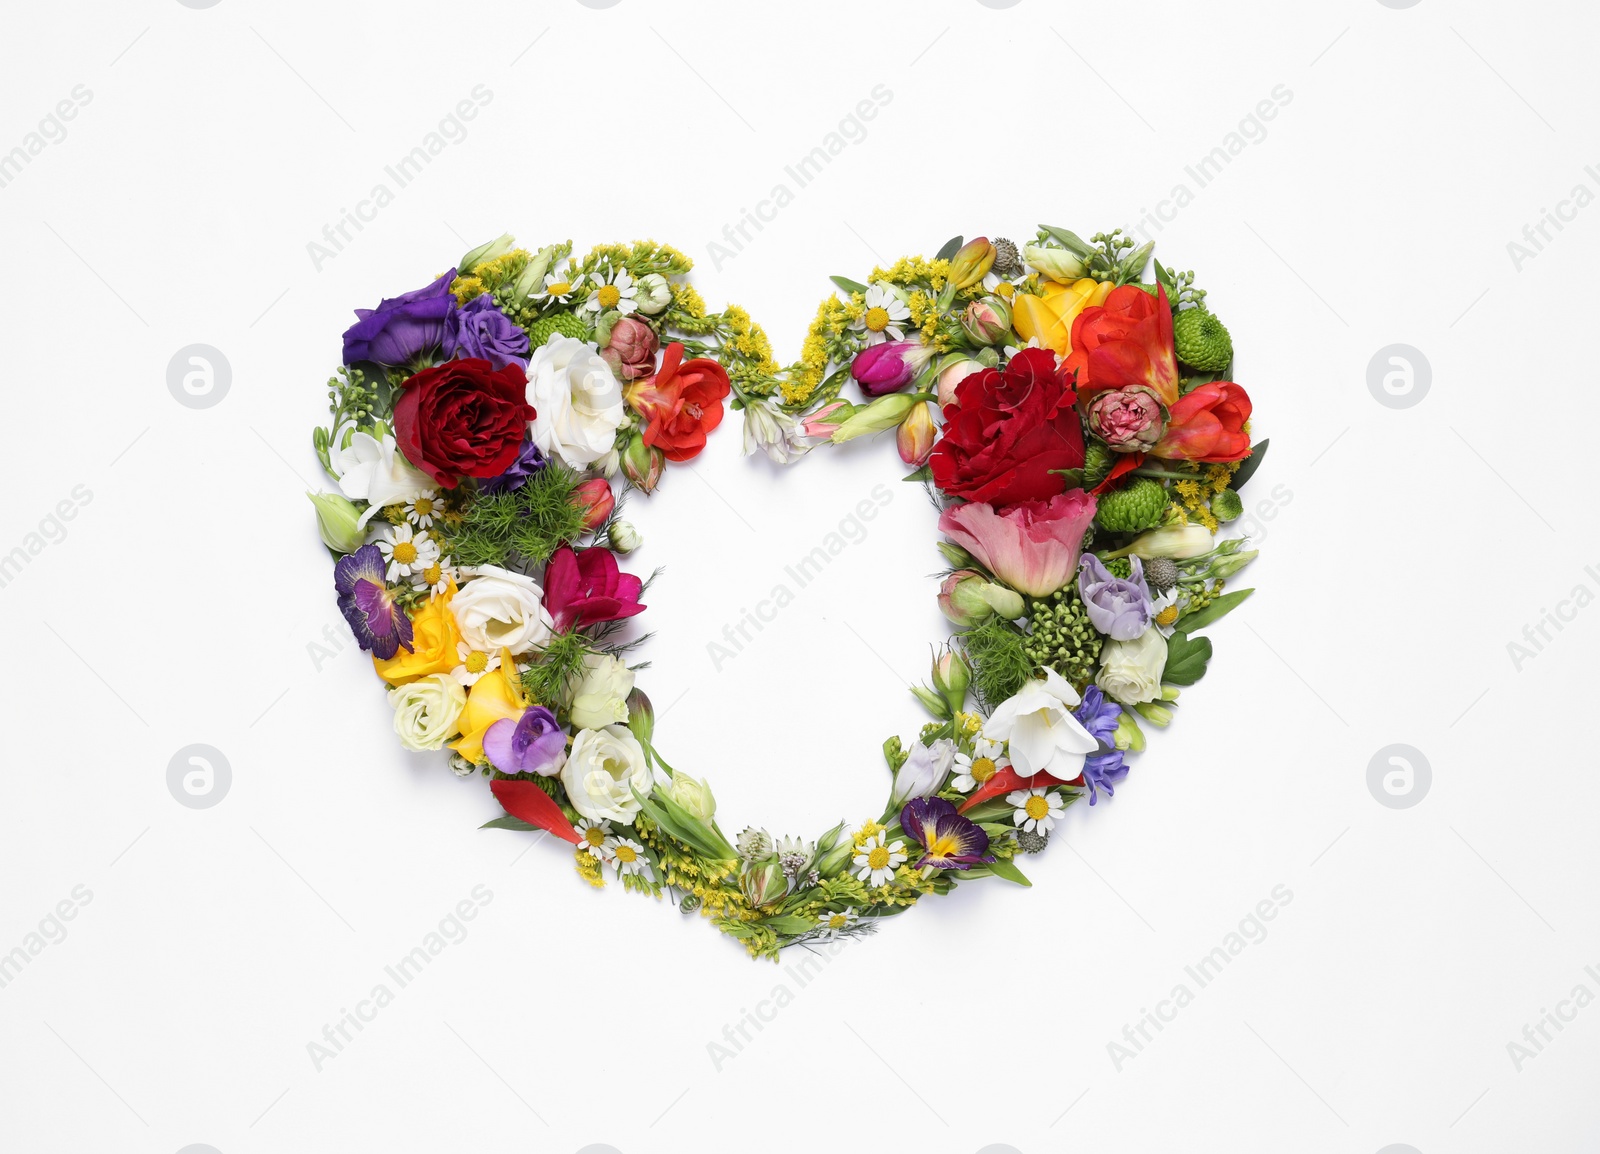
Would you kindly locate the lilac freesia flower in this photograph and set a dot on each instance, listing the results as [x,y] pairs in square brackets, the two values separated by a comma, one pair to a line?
[532,744]
[949,840]
[479,329]
[1099,716]
[1119,608]
[529,461]
[401,328]
[378,623]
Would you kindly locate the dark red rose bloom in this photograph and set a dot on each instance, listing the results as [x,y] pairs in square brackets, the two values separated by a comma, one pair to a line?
[463,418]
[1007,431]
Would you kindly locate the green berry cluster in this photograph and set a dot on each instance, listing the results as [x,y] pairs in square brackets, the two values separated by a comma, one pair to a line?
[1061,635]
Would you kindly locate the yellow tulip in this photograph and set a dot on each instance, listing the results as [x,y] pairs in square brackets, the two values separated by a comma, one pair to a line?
[496,696]
[1049,316]
[434,637]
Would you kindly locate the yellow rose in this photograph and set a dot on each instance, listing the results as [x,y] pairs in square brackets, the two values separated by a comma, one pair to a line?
[1048,317]
[496,696]
[434,637]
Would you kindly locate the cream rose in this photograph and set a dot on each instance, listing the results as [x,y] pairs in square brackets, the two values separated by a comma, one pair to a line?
[577,399]
[1130,671]
[498,609]
[603,767]
[427,711]
[601,697]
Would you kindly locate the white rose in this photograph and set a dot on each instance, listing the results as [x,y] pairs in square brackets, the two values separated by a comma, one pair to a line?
[601,698]
[1130,671]
[498,608]
[603,767]
[427,711]
[577,399]
[1041,732]
[372,470]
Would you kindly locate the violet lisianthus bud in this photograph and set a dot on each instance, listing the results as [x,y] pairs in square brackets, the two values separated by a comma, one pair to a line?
[886,368]
[479,329]
[1121,608]
[1128,420]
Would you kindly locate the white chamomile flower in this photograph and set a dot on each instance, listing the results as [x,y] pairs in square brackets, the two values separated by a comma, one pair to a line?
[1037,809]
[1164,611]
[593,836]
[628,857]
[474,664]
[883,316]
[878,861]
[616,292]
[1013,350]
[987,759]
[832,925]
[406,551]
[435,577]
[422,509]
[558,288]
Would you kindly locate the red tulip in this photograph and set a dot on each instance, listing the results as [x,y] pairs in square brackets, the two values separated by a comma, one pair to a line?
[1207,424]
[596,500]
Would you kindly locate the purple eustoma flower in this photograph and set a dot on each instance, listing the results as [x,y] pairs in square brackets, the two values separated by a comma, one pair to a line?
[949,840]
[529,461]
[401,328]
[533,743]
[1100,716]
[479,329]
[378,623]
[1120,608]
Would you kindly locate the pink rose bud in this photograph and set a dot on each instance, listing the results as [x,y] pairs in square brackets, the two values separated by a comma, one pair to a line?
[596,500]
[642,464]
[631,352]
[987,321]
[1128,420]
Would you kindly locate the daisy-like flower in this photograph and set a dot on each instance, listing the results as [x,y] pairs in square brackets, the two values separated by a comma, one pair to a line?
[883,315]
[1037,809]
[595,838]
[1164,610]
[616,292]
[406,551]
[877,861]
[474,664]
[558,287]
[628,857]
[987,759]
[435,577]
[834,924]
[422,509]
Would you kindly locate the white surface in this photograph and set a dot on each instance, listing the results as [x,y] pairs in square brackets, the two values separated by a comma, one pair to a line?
[1404,554]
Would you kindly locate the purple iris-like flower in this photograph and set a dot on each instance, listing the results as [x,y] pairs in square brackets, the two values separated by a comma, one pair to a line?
[1120,608]
[949,840]
[529,461]
[1099,716]
[533,743]
[378,623]
[401,328]
[479,329]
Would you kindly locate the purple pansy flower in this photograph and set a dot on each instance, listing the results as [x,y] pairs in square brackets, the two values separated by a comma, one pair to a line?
[479,329]
[529,461]
[401,328]
[378,623]
[533,743]
[1119,608]
[1100,716]
[949,840]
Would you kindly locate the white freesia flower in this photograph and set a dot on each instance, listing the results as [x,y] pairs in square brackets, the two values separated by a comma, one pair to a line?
[602,770]
[427,711]
[501,609]
[373,470]
[923,772]
[577,400]
[1130,671]
[601,697]
[775,433]
[1043,734]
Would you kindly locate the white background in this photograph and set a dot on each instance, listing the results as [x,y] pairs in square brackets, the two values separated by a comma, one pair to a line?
[1406,549]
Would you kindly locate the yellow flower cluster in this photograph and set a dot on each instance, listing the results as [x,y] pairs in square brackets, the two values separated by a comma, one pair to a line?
[688,300]
[832,318]
[867,832]
[748,339]
[589,868]
[1194,497]
[915,270]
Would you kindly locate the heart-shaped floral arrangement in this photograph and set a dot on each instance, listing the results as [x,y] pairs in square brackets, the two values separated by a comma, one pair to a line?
[1076,422]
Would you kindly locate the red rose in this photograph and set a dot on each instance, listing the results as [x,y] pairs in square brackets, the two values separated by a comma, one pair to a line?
[1006,433]
[1208,425]
[680,403]
[463,418]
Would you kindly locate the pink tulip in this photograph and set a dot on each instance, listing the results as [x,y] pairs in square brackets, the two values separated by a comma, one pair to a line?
[1033,546]
[916,436]
[887,368]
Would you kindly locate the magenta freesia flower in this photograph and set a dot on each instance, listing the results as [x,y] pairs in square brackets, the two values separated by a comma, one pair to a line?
[949,841]
[534,743]
[1033,546]
[583,589]
[378,623]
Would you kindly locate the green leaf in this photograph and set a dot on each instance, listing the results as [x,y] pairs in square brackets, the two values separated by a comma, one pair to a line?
[1186,659]
[1070,239]
[1200,618]
[923,474]
[506,821]
[689,835]
[951,247]
[1250,465]
[989,810]
[849,286]
[1004,869]
[790,924]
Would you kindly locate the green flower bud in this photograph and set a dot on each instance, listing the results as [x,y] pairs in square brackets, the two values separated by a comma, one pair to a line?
[958,557]
[339,522]
[1135,508]
[1155,713]
[951,677]
[1226,566]
[1128,736]
[931,701]
[641,716]
[624,537]
[1007,603]
[894,754]
[1202,340]
[1226,506]
[884,413]
[764,882]
[693,795]
[489,250]
[531,279]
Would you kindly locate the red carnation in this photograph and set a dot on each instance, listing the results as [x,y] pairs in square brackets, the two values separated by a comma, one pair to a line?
[463,418]
[1007,432]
